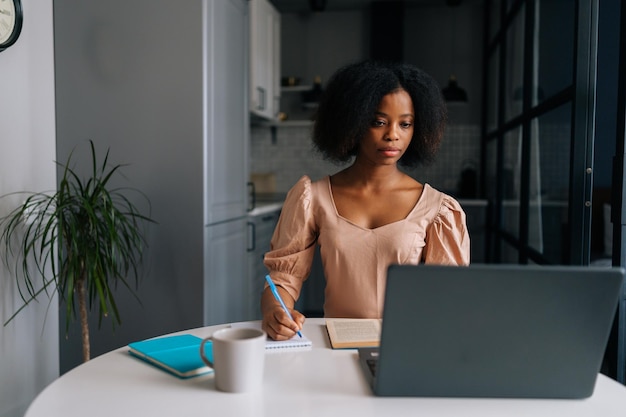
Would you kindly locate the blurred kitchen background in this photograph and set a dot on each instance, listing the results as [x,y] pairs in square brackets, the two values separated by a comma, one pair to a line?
[443,40]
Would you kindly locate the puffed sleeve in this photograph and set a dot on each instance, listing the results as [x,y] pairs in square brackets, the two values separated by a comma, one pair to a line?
[293,243]
[447,238]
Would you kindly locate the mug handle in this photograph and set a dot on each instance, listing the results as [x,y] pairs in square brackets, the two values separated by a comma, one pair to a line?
[204,358]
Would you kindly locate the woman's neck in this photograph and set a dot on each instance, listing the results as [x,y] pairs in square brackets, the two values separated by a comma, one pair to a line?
[368,175]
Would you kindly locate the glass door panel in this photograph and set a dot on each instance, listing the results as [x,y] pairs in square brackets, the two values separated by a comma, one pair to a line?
[511,178]
[515,66]
[549,184]
[509,254]
[554,47]
[493,91]
[491,175]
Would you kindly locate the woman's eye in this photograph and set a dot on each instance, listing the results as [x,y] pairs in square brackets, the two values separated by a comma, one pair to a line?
[378,123]
[406,125]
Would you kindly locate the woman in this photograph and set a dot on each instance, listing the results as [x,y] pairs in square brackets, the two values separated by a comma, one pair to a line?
[370,214]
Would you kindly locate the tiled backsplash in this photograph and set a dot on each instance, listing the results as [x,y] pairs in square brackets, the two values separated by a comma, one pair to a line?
[292,155]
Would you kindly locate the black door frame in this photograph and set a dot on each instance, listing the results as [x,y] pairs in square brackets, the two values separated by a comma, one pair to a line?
[618,204]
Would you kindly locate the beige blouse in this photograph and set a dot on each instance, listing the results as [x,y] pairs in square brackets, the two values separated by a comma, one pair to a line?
[355,259]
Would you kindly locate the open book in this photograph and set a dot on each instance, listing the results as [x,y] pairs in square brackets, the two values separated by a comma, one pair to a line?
[353,333]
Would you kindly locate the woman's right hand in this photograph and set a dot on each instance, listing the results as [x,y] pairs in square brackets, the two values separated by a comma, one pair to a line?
[276,322]
[279,326]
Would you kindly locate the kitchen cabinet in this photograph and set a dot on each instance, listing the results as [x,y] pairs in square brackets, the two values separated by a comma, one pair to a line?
[261,225]
[226,273]
[264,59]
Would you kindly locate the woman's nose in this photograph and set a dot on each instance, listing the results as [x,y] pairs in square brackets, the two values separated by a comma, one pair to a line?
[392,133]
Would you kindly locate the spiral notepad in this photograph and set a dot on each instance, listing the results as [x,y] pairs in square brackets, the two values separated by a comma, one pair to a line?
[295,342]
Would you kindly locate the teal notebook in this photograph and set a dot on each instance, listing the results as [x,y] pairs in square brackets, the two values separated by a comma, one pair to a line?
[178,355]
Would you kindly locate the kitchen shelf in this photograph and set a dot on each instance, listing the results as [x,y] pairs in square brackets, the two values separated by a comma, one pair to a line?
[294,108]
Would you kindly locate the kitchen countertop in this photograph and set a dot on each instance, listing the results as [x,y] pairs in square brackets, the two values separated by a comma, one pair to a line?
[267,202]
[265,207]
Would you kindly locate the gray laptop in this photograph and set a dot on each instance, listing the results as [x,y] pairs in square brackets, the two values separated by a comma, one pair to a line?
[493,331]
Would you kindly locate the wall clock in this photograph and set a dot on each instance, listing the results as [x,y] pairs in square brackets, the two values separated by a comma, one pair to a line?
[10,22]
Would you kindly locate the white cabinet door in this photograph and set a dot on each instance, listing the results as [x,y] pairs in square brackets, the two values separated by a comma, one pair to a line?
[259,58]
[226,273]
[264,59]
[226,123]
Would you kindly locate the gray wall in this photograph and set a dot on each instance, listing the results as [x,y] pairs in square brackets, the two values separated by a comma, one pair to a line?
[29,349]
[110,75]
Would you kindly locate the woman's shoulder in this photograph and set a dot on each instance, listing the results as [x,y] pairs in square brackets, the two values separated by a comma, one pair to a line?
[305,184]
[306,190]
[440,201]
[300,191]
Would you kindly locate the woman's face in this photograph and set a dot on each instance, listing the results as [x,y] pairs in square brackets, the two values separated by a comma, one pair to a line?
[391,130]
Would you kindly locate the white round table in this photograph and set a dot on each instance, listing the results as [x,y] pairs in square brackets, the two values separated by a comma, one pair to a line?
[316,382]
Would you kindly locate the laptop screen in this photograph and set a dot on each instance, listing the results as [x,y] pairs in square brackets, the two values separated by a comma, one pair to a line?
[495,330]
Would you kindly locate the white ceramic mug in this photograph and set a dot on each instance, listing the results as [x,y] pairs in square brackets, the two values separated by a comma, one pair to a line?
[238,358]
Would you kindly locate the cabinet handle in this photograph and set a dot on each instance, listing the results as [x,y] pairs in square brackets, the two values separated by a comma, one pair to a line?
[251,237]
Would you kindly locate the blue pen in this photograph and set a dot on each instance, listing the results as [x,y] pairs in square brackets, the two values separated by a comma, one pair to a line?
[277,297]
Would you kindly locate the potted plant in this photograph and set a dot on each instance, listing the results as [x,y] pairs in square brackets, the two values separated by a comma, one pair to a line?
[80,241]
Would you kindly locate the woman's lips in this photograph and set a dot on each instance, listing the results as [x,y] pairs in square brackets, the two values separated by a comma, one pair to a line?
[389,151]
